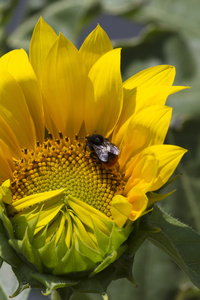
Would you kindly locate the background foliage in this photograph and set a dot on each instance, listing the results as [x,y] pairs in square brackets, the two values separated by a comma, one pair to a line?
[150,32]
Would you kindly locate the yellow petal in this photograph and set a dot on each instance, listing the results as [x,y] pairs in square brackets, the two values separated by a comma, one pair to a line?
[52,229]
[83,233]
[169,157]
[85,211]
[159,75]
[9,138]
[151,168]
[129,104]
[130,207]
[102,113]
[69,232]
[63,85]
[148,127]
[17,64]
[48,215]
[95,45]
[14,111]
[120,209]
[139,202]
[141,172]
[42,40]
[128,110]
[140,98]
[50,125]
[154,95]
[6,162]
[26,202]
[61,227]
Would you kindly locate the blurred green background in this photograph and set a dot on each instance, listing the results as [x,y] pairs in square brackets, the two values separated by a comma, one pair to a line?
[150,32]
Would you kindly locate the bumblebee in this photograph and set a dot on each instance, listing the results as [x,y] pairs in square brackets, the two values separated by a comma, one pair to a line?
[102,149]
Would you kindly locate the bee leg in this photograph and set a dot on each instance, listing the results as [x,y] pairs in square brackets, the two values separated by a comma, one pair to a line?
[94,156]
[85,147]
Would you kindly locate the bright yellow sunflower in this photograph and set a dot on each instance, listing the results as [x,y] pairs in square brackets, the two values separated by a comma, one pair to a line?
[65,208]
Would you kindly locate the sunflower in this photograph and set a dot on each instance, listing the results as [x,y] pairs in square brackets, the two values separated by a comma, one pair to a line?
[65,209]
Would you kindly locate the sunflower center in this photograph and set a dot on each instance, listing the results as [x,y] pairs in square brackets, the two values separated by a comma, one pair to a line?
[62,164]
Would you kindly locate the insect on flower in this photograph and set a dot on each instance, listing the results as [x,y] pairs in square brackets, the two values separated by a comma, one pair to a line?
[102,149]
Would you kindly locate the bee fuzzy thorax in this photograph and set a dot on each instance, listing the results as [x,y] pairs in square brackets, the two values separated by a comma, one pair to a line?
[101,149]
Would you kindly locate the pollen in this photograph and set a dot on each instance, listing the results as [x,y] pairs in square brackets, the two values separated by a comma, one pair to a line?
[62,164]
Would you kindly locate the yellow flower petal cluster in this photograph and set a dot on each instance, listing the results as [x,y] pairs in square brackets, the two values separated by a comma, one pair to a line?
[57,196]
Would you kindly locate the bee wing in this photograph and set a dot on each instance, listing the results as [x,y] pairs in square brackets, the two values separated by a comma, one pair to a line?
[101,152]
[111,148]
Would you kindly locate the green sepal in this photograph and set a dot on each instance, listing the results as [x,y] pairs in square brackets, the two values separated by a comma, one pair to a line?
[21,225]
[106,262]
[20,289]
[7,224]
[22,270]
[26,250]
[118,236]
[73,261]
[155,197]
[48,254]
[61,246]
[93,254]
[6,251]
[39,240]
[102,238]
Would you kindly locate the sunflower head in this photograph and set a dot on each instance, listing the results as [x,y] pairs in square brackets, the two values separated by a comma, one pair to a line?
[69,199]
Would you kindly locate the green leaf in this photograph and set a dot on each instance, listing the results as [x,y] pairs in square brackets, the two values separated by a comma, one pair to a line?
[179,241]
[25,248]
